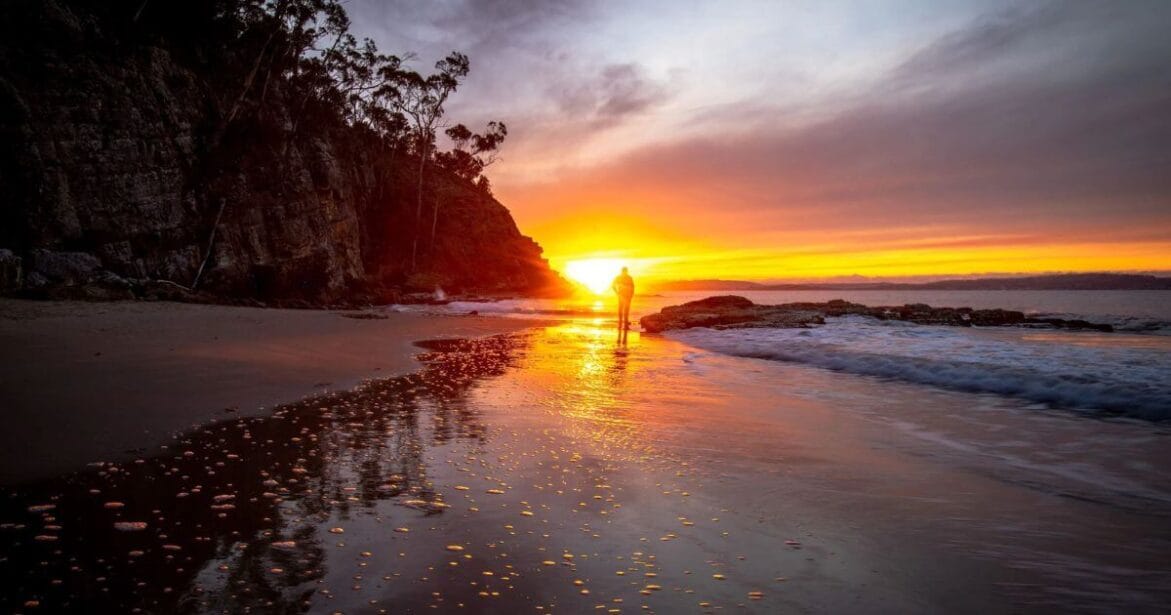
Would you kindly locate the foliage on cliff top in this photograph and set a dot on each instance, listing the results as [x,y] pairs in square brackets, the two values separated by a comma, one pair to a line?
[141,127]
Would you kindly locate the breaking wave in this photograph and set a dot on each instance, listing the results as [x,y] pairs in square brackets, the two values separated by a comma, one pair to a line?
[1118,373]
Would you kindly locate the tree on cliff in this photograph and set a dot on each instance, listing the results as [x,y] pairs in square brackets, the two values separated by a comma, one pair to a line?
[420,100]
[307,45]
[302,46]
[309,192]
[289,29]
[470,155]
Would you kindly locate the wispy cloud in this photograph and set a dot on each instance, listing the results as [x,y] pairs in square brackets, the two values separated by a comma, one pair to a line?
[1088,150]
[615,92]
[805,124]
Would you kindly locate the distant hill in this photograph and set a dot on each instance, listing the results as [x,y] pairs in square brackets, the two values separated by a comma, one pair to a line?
[709,285]
[1070,281]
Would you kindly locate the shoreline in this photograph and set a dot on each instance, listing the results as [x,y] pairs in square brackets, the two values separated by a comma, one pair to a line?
[85,382]
[550,468]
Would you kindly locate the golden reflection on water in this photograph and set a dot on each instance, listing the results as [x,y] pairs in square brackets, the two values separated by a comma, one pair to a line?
[588,354]
[604,387]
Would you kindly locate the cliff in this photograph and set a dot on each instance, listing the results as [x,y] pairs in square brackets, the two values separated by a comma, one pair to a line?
[121,164]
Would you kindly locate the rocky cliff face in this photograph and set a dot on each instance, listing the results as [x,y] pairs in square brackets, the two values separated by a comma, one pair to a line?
[116,171]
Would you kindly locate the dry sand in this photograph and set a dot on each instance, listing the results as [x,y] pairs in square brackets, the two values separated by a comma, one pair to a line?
[82,382]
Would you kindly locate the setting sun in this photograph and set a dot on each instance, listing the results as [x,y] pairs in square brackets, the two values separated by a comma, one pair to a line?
[595,274]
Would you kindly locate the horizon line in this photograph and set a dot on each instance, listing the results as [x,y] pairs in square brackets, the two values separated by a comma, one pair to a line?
[913,279]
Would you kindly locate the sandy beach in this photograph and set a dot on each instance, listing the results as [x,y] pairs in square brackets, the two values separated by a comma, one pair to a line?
[85,382]
[550,470]
[856,307]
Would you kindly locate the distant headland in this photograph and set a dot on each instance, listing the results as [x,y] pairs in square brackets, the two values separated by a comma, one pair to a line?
[1065,281]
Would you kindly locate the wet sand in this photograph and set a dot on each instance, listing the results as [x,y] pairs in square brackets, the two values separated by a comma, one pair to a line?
[552,471]
[85,382]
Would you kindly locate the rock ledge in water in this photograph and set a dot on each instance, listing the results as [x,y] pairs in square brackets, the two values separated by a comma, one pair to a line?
[728,312]
[735,312]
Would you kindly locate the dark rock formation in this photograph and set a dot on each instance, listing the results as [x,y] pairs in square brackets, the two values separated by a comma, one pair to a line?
[11,270]
[119,168]
[728,312]
[734,312]
[71,275]
[68,268]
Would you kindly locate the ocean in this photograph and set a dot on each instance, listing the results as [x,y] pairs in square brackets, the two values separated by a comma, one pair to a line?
[1125,373]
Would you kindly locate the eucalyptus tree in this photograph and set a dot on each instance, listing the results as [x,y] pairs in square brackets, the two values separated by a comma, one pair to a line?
[421,102]
[471,153]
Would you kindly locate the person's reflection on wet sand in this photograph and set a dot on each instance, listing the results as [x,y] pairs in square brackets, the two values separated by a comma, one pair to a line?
[617,369]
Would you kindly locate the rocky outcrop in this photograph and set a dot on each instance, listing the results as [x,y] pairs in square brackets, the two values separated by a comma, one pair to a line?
[734,312]
[728,312]
[118,168]
[11,270]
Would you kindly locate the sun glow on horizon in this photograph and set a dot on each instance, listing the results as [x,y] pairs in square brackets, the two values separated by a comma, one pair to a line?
[674,235]
[596,274]
[822,262]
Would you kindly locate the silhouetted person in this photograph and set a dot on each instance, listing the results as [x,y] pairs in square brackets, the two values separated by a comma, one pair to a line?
[623,286]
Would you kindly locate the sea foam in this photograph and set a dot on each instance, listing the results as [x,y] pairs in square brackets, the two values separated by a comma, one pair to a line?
[1119,373]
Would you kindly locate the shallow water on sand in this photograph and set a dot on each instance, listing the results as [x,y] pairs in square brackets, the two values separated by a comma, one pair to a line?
[1121,372]
[1145,311]
[556,471]
[1115,373]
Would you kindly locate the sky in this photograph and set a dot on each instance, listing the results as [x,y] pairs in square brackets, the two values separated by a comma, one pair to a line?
[800,140]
